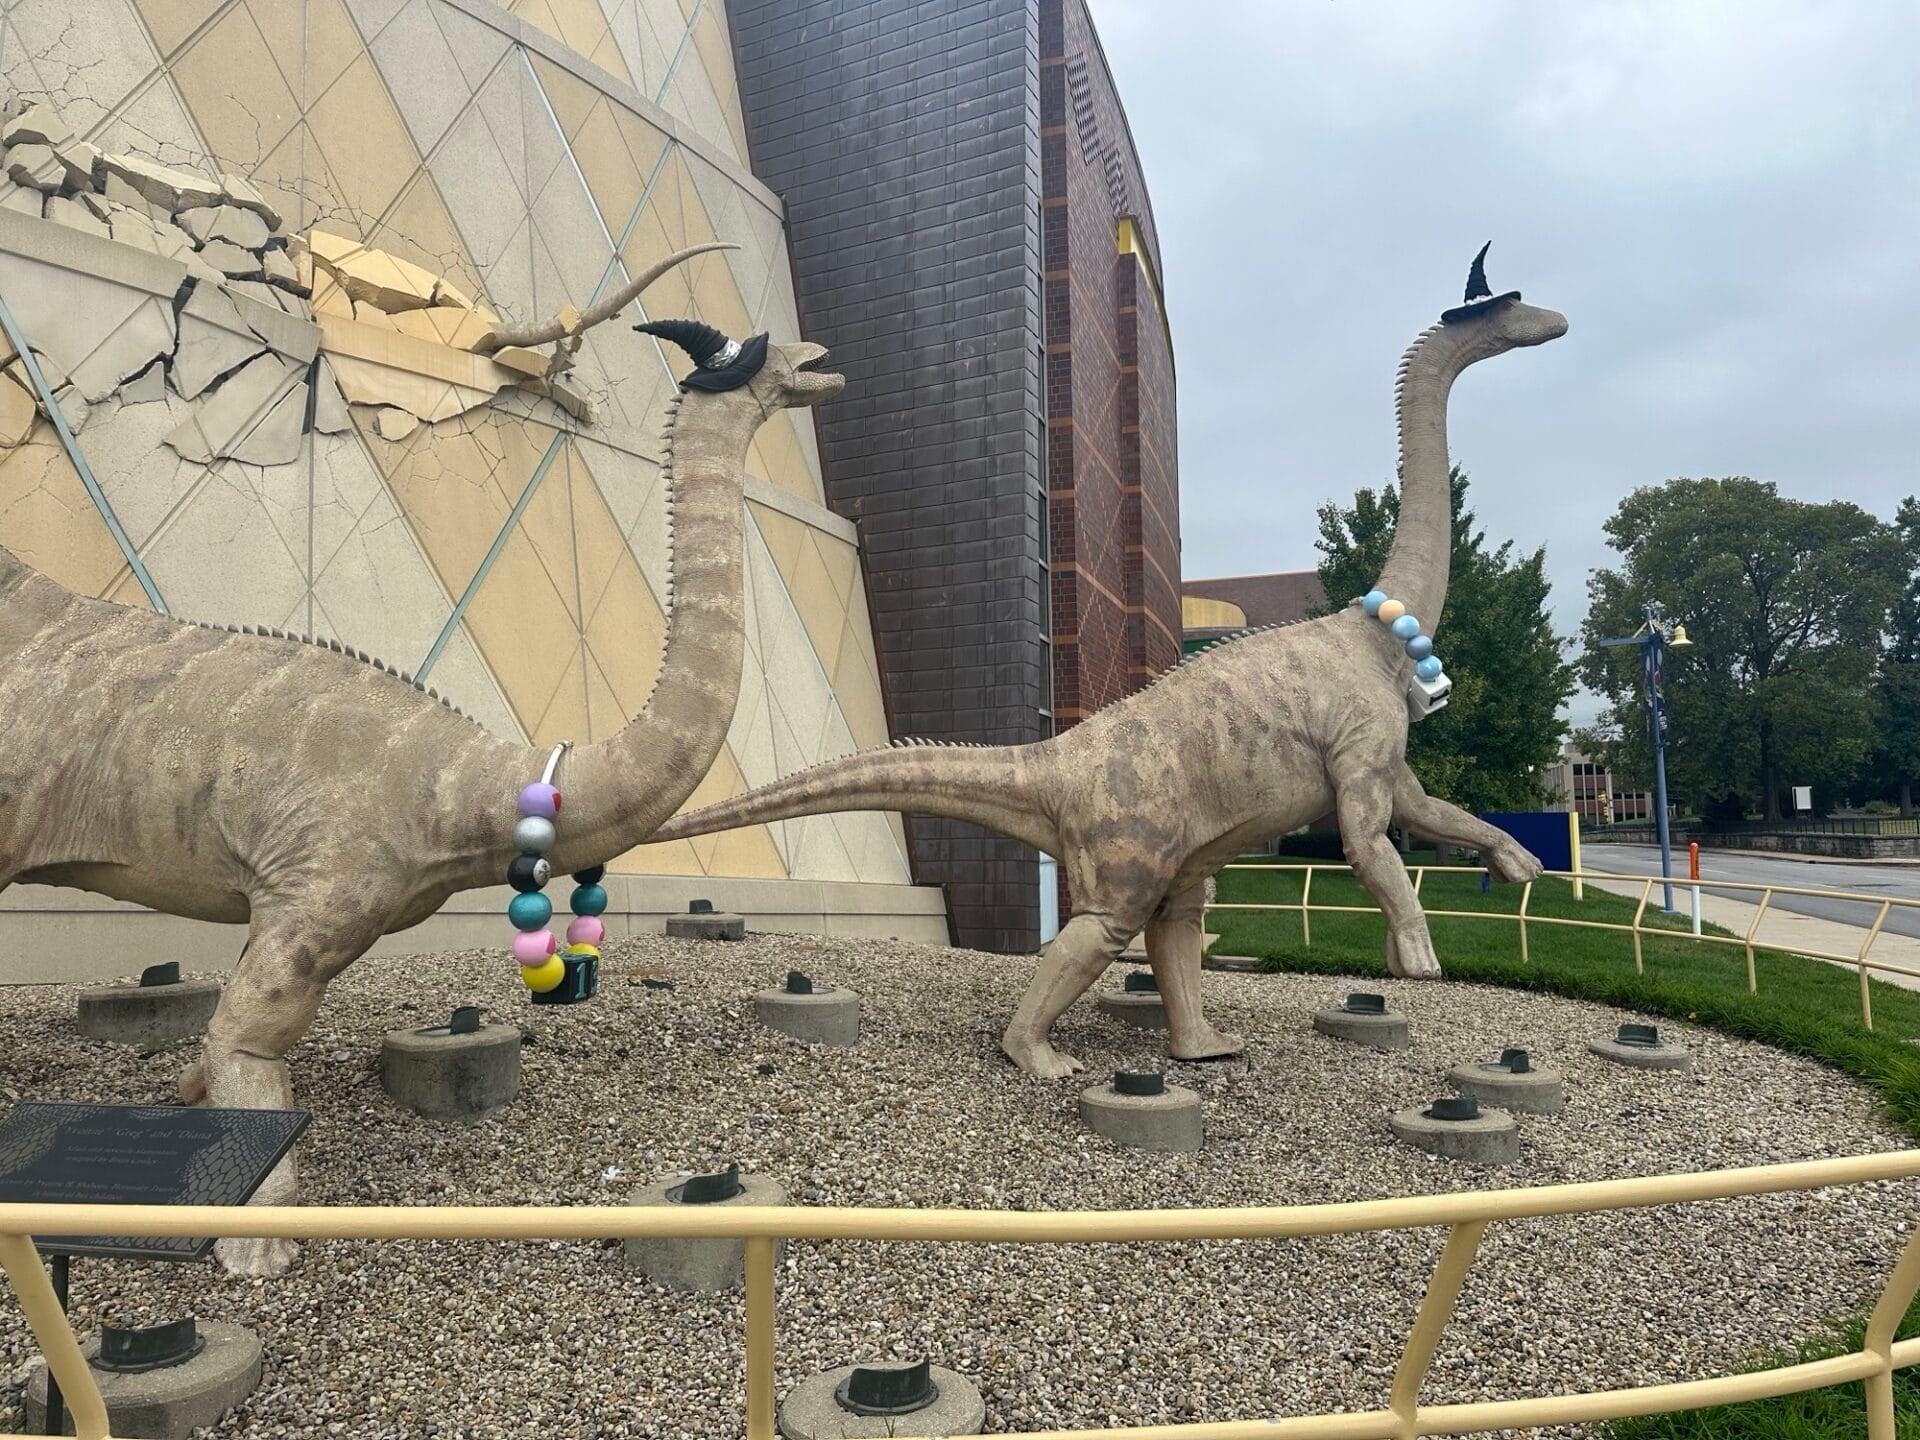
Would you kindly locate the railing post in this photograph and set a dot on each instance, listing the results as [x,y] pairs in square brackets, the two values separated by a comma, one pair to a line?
[1902,1286]
[1419,874]
[759,1268]
[1639,961]
[1443,1293]
[1526,897]
[1306,899]
[65,1364]
[1866,997]
[1753,978]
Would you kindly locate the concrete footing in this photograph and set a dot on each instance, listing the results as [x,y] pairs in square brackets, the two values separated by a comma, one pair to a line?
[1168,1118]
[1142,1009]
[817,1014]
[148,1014]
[445,1074]
[1641,1047]
[169,1403]
[714,925]
[1360,1022]
[1234,964]
[811,1411]
[700,1266]
[1489,1137]
[1530,1091]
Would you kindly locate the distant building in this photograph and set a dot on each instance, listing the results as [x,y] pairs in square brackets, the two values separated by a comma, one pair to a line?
[1581,784]
[1212,608]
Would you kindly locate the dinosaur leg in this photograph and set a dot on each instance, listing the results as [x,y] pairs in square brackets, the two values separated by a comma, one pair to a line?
[1365,804]
[1073,960]
[268,1005]
[1510,861]
[1173,949]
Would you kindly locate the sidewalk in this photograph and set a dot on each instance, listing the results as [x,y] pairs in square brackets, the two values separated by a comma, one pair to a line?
[1784,930]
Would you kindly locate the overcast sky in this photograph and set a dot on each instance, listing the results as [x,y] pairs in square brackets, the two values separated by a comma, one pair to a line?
[1724,200]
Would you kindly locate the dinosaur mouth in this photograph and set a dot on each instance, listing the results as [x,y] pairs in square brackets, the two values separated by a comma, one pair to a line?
[811,386]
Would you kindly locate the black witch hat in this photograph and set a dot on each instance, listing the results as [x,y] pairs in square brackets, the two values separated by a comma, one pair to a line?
[718,363]
[1479,297]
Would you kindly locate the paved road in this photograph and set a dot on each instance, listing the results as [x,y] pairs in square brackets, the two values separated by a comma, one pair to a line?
[1901,882]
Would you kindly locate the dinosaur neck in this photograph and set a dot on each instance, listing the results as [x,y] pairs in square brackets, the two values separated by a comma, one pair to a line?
[1416,568]
[619,790]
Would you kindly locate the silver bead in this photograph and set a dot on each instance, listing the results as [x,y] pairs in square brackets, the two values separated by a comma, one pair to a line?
[534,835]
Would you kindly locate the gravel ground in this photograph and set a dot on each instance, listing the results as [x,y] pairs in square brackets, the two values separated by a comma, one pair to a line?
[548,1339]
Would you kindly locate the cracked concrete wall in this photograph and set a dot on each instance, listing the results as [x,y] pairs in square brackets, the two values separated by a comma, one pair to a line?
[527,158]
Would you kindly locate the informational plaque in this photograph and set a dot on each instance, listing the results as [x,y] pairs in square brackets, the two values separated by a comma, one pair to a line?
[60,1154]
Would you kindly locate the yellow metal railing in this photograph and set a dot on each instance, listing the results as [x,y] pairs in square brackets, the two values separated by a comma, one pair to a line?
[1466,1217]
[1860,959]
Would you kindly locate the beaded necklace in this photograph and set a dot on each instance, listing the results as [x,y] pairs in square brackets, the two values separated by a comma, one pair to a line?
[543,965]
[1393,614]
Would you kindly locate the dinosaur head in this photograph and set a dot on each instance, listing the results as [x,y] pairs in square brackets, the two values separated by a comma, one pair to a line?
[776,377]
[1485,324]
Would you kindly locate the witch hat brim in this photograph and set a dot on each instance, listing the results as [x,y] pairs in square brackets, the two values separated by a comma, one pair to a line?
[742,368]
[1476,308]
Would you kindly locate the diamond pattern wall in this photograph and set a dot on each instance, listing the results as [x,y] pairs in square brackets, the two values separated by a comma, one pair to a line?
[519,555]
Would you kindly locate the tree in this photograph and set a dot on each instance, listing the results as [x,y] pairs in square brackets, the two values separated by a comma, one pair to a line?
[1490,747]
[1785,602]
[1896,760]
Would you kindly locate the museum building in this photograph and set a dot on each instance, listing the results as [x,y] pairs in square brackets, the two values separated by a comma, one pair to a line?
[302,437]
[972,236]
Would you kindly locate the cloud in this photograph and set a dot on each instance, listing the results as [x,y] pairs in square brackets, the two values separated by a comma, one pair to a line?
[1720,197]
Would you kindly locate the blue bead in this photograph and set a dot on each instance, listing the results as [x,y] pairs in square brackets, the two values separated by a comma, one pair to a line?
[1419,647]
[1429,668]
[1406,627]
[530,911]
[1372,601]
[588,900]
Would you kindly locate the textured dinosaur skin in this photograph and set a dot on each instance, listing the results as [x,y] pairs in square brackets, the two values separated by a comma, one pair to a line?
[323,799]
[1253,738]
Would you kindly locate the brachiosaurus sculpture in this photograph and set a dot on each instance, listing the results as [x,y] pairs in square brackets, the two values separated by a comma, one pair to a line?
[1147,798]
[325,800]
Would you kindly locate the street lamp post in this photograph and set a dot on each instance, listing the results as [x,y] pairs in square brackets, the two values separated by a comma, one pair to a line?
[1653,637]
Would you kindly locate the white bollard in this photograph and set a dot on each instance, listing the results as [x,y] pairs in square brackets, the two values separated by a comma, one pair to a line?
[1696,910]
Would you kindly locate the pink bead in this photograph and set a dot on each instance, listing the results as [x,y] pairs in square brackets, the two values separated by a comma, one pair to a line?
[540,799]
[586,930]
[532,947]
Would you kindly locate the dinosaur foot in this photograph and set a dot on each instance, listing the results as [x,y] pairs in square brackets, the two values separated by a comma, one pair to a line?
[268,1258]
[1039,1059]
[1212,1044]
[1410,956]
[193,1084]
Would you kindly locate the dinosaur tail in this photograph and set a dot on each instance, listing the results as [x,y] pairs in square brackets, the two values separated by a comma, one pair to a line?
[990,785]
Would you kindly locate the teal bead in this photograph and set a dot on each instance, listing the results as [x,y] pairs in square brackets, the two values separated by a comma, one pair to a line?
[1406,627]
[588,900]
[1372,601]
[530,911]
[1429,668]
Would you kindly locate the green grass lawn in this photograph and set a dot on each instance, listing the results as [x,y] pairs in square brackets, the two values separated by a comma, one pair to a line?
[1802,1005]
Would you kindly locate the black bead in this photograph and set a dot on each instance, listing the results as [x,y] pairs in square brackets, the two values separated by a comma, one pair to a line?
[590,877]
[528,873]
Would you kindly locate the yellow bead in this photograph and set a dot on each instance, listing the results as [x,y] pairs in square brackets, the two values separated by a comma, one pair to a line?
[1390,611]
[542,978]
[581,950]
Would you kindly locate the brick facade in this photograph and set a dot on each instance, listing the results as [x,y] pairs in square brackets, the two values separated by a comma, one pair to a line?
[955,174]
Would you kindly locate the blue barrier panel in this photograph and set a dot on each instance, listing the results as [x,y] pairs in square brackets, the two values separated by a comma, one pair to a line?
[1549,835]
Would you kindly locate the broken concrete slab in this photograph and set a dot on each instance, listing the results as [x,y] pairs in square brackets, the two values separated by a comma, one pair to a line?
[74,215]
[221,421]
[172,190]
[230,259]
[36,167]
[241,193]
[372,276]
[281,271]
[38,124]
[20,199]
[135,343]
[275,440]
[17,412]
[207,223]
[330,413]
[208,350]
[149,385]
[523,361]
[395,424]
